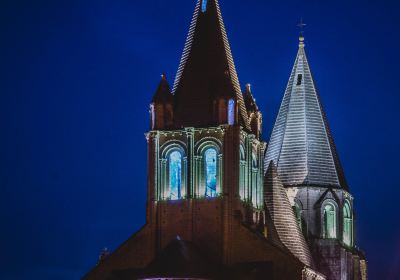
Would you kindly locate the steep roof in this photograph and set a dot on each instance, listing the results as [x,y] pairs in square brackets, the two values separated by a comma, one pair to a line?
[249,100]
[281,213]
[301,143]
[206,69]
[163,92]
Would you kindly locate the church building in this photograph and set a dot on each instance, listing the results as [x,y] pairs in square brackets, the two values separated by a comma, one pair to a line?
[224,204]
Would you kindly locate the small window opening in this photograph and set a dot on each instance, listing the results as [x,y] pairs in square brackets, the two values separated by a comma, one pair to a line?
[203,6]
[299,79]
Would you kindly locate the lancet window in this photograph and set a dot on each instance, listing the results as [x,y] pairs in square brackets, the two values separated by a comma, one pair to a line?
[329,221]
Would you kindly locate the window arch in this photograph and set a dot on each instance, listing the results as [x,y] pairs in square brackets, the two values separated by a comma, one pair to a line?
[242,187]
[329,221]
[210,169]
[175,175]
[347,224]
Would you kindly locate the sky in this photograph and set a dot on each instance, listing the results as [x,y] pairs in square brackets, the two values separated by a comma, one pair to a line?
[76,79]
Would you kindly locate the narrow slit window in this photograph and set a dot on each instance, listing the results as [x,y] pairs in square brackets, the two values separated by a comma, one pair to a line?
[299,79]
[204,6]
[231,112]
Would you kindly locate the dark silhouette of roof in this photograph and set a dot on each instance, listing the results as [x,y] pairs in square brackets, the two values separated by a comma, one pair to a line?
[163,92]
[206,71]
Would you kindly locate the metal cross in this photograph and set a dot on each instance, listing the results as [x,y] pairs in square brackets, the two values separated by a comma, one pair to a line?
[301,26]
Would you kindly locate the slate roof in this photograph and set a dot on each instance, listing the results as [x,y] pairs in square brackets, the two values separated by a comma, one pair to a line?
[282,215]
[301,143]
[206,70]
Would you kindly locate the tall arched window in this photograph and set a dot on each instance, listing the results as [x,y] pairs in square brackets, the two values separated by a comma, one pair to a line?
[210,160]
[347,224]
[231,112]
[175,175]
[329,221]
[242,187]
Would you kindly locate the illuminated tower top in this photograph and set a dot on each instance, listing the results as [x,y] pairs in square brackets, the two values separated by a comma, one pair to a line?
[301,145]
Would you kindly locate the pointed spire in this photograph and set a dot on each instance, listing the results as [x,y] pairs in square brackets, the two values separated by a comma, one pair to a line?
[301,143]
[163,92]
[206,71]
[249,100]
[282,215]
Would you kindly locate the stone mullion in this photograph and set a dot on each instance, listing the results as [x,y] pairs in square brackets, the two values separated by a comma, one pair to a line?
[190,163]
[184,178]
[220,174]
[164,186]
[202,182]
[156,147]
[248,169]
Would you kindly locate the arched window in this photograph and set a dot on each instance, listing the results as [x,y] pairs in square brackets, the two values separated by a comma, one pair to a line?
[347,224]
[175,175]
[204,6]
[242,187]
[329,221]
[210,158]
[231,112]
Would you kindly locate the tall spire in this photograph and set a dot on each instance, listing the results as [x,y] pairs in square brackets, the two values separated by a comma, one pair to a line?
[206,70]
[301,144]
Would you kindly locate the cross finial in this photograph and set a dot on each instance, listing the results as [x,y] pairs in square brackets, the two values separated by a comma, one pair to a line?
[301,26]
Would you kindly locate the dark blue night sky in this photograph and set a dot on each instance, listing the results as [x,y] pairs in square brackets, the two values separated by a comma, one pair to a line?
[76,81]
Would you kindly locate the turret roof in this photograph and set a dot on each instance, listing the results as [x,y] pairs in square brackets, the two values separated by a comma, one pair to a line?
[301,143]
[206,66]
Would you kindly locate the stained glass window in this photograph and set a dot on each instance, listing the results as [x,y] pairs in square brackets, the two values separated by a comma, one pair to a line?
[347,225]
[210,157]
[231,112]
[204,6]
[175,175]
[329,221]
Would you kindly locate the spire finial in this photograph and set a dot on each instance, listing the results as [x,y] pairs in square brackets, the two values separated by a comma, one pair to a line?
[248,87]
[301,26]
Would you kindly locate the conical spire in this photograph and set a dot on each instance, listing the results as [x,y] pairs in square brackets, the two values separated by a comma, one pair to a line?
[206,66]
[249,100]
[280,210]
[301,144]
[163,92]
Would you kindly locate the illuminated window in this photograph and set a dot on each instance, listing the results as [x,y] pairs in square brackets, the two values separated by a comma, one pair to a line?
[329,221]
[204,6]
[210,157]
[347,224]
[231,112]
[153,116]
[175,175]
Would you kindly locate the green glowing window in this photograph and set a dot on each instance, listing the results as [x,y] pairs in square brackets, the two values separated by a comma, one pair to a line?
[175,175]
[210,157]
[329,221]
[347,224]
